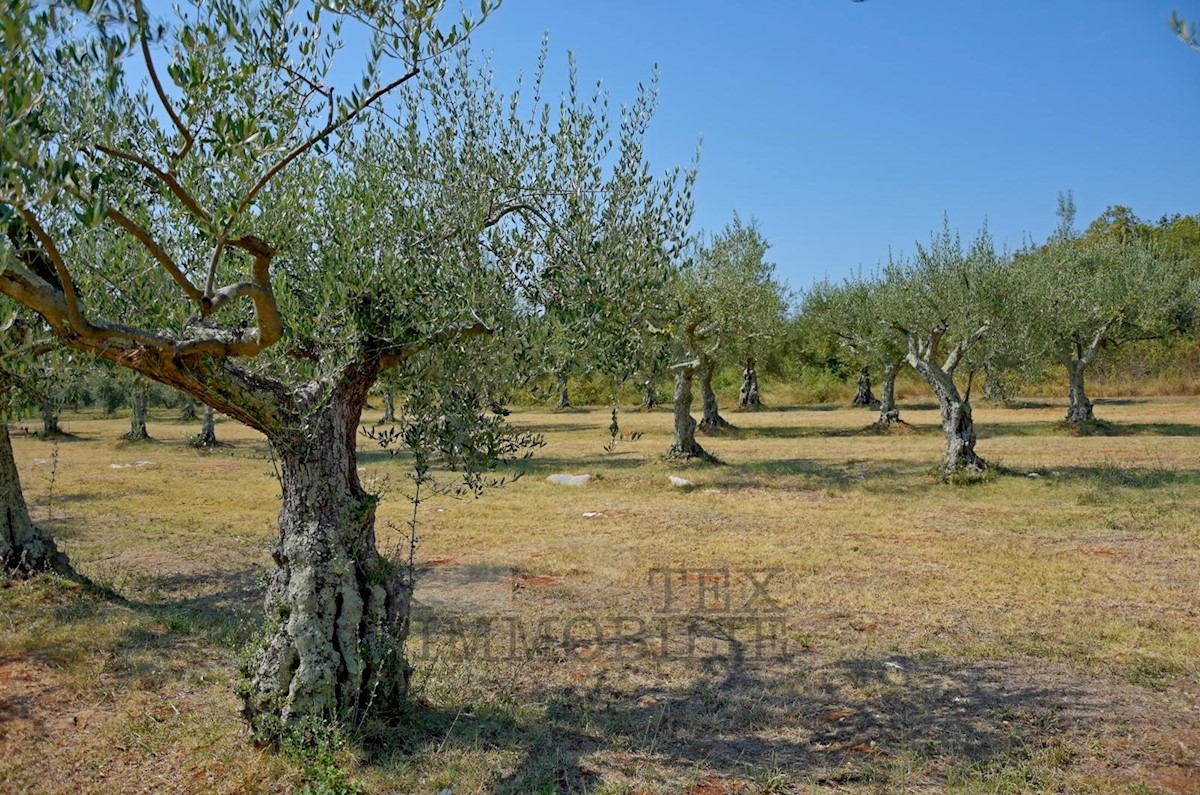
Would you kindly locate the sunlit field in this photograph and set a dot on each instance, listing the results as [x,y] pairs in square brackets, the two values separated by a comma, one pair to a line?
[816,613]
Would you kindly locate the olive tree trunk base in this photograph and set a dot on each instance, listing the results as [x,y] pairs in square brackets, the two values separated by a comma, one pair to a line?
[748,395]
[863,395]
[889,412]
[389,407]
[711,420]
[50,426]
[208,431]
[889,418]
[188,414]
[959,428]
[1079,410]
[685,445]
[137,418]
[25,548]
[957,423]
[649,396]
[337,611]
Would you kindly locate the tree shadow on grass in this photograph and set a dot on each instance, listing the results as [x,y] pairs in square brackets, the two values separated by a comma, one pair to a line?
[600,427]
[854,473]
[732,717]
[227,611]
[991,430]
[540,466]
[1111,476]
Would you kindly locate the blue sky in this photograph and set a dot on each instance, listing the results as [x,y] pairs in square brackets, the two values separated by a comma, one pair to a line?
[846,128]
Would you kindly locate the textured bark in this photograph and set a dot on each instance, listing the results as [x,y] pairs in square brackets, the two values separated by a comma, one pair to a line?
[863,395]
[959,428]
[649,396]
[137,416]
[685,445]
[389,407]
[188,414]
[1079,410]
[337,611]
[748,395]
[957,423]
[888,411]
[24,547]
[564,396]
[208,431]
[711,420]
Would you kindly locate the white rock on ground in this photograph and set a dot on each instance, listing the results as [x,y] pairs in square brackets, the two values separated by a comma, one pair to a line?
[682,483]
[569,480]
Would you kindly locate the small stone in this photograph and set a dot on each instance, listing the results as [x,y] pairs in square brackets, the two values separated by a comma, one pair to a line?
[569,480]
[592,514]
[895,666]
[682,483]
[1034,475]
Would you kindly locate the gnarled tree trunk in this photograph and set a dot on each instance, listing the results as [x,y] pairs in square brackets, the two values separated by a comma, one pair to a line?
[888,412]
[337,610]
[1079,409]
[49,413]
[137,416]
[957,423]
[24,547]
[748,395]
[564,395]
[208,431]
[649,396]
[863,395]
[711,420]
[188,414]
[389,407]
[685,445]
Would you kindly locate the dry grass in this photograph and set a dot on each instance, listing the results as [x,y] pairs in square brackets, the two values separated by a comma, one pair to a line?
[1024,634]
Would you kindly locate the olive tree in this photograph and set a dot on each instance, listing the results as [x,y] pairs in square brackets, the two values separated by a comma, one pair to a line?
[943,307]
[734,311]
[854,314]
[1079,296]
[269,245]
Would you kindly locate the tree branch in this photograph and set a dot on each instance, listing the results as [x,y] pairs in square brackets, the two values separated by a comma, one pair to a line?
[1099,337]
[25,287]
[690,365]
[955,355]
[73,314]
[217,340]
[394,355]
[324,133]
[158,88]
[152,246]
[165,177]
